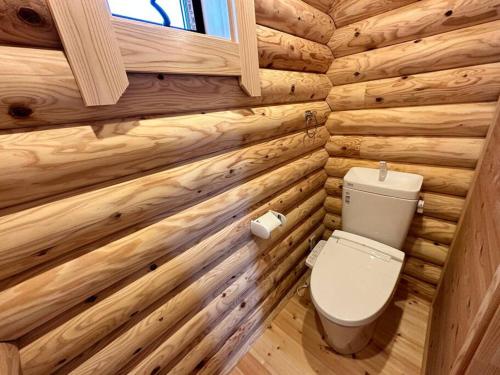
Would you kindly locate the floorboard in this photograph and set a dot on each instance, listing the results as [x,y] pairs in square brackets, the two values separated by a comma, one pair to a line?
[293,343]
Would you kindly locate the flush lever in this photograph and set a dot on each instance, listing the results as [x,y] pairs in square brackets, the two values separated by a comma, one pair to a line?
[382,171]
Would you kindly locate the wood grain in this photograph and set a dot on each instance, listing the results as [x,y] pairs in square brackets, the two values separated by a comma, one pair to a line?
[464,47]
[107,210]
[453,152]
[417,287]
[38,88]
[279,50]
[456,120]
[28,22]
[461,85]
[425,250]
[453,181]
[247,44]
[421,270]
[433,229]
[333,186]
[20,313]
[42,163]
[148,48]
[10,363]
[345,12]
[92,49]
[323,5]
[46,352]
[471,273]
[413,22]
[295,17]
[233,296]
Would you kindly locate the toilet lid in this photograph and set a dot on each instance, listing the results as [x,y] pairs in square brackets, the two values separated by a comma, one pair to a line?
[353,278]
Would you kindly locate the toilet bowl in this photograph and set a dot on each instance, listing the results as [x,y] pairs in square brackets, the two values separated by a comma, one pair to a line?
[352,282]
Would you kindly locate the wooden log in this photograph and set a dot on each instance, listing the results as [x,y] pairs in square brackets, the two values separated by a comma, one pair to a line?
[322,5]
[46,353]
[456,120]
[470,46]
[461,85]
[26,305]
[345,12]
[234,295]
[418,287]
[453,152]
[295,17]
[38,88]
[216,338]
[416,21]
[425,250]
[332,221]
[10,363]
[443,206]
[422,271]
[333,205]
[278,50]
[453,181]
[28,22]
[433,229]
[240,342]
[102,212]
[333,186]
[42,163]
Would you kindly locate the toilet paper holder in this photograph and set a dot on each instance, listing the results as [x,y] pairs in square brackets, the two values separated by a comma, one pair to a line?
[265,224]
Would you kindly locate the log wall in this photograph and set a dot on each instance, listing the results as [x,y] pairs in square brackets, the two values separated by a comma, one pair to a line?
[125,229]
[415,84]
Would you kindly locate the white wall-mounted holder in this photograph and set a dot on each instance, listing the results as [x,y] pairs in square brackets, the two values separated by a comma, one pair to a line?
[420,206]
[265,224]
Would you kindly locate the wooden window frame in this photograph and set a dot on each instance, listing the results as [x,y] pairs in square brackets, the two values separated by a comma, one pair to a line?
[101,48]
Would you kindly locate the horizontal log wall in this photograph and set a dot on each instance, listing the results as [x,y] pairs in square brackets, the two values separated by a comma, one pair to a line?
[415,84]
[125,229]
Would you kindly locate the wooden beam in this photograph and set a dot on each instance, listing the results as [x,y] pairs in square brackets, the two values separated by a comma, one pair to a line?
[418,287]
[464,47]
[68,158]
[345,12]
[445,180]
[333,186]
[295,17]
[455,120]
[279,50]
[38,88]
[443,206]
[115,310]
[20,312]
[477,83]
[92,49]
[10,363]
[413,22]
[453,152]
[247,43]
[163,193]
[433,229]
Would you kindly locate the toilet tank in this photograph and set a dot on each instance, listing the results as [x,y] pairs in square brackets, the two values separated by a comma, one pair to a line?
[380,210]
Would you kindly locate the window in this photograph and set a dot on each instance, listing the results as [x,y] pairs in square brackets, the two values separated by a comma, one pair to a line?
[202,16]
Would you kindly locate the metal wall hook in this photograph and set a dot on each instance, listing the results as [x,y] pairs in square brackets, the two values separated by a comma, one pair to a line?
[311,119]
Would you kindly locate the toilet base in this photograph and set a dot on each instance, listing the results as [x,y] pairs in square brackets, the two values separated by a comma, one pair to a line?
[347,340]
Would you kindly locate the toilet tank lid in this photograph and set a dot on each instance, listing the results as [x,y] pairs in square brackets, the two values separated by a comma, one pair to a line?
[396,184]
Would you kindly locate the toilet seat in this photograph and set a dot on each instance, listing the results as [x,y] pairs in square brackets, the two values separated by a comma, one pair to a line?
[353,278]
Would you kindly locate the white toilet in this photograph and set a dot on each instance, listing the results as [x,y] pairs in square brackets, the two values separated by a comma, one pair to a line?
[355,274]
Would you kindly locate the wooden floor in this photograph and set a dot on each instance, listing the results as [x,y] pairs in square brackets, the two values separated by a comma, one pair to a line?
[292,344]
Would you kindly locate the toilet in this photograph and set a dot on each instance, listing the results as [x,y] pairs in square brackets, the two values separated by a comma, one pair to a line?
[354,276]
